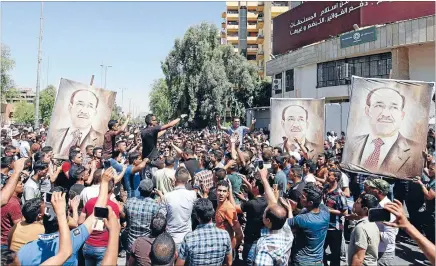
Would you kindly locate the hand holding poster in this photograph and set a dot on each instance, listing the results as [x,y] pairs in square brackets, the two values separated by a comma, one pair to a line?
[387,127]
[80,116]
[298,119]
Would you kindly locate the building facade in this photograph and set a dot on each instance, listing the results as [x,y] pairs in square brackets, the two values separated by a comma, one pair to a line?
[312,61]
[23,94]
[247,26]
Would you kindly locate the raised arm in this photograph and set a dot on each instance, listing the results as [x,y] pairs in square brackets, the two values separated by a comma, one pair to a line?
[65,244]
[172,123]
[140,166]
[218,124]
[9,188]
[113,226]
[269,193]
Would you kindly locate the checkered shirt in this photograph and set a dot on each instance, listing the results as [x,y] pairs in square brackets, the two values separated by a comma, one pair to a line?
[274,247]
[139,212]
[204,178]
[206,245]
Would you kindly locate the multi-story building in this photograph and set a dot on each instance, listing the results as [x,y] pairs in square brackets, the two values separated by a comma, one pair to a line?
[247,26]
[317,47]
[23,94]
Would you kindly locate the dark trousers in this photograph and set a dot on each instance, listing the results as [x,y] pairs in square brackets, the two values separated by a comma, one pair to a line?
[333,240]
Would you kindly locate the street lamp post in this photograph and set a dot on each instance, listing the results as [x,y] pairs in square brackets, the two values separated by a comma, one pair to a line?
[105,67]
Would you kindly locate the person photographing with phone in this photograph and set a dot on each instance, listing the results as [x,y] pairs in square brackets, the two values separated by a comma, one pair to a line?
[365,237]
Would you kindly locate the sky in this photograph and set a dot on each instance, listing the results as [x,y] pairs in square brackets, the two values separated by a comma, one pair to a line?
[132,37]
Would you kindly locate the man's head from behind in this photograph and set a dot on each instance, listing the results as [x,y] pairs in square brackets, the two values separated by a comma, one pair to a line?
[33,210]
[295,122]
[274,217]
[158,224]
[163,250]
[203,209]
[82,108]
[385,110]
[182,176]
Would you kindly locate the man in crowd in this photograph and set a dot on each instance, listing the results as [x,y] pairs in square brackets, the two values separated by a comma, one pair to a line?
[365,238]
[32,188]
[236,128]
[164,178]
[110,135]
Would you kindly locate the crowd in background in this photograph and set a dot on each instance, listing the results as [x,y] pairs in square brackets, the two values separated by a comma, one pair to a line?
[218,196]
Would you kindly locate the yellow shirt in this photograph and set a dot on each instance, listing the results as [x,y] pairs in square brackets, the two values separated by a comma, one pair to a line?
[24,233]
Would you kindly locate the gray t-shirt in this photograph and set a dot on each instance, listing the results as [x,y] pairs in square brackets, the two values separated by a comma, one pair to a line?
[366,236]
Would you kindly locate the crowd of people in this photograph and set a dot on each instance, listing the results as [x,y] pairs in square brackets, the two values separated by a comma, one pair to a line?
[222,196]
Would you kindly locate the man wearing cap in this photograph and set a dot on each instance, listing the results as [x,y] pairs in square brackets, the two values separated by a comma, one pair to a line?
[139,212]
[386,248]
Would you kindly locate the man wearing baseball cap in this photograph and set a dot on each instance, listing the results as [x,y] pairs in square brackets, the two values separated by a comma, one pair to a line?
[386,249]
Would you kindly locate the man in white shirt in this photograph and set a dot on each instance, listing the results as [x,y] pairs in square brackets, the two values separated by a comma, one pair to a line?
[164,178]
[178,205]
[93,190]
[386,248]
[309,169]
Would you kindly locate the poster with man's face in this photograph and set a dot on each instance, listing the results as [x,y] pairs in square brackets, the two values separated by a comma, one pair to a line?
[298,119]
[79,118]
[387,127]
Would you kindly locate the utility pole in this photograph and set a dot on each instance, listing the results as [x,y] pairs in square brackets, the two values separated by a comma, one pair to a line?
[105,73]
[38,71]
[122,97]
[130,105]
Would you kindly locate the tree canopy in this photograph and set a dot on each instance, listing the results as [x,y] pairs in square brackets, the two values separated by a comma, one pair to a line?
[203,77]
[24,112]
[6,65]
[160,100]
[46,102]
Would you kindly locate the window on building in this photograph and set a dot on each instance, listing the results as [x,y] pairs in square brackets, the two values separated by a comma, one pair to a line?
[277,89]
[339,72]
[289,85]
[232,12]
[232,23]
[251,57]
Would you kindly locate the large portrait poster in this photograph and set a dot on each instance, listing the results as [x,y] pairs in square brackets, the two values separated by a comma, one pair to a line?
[387,127]
[80,117]
[301,119]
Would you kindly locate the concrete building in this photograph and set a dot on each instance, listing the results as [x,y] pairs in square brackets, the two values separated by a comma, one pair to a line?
[24,94]
[247,26]
[312,62]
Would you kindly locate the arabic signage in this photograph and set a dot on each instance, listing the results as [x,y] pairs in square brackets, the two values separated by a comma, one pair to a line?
[314,21]
[358,37]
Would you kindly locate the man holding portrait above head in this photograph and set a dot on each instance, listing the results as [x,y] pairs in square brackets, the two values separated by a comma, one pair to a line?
[82,110]
[384,149]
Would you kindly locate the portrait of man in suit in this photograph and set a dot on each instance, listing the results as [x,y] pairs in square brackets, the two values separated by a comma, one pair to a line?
[82,109]
[295,123]
[384,150]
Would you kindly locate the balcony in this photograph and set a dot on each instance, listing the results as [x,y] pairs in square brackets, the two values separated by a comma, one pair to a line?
[232,16]
[232,38]
[232,5]
[277,10]
[251,16]
[260,6]
[232,28]
[252,39]
[252,27]
[260,38]
[252,50]
[223,15]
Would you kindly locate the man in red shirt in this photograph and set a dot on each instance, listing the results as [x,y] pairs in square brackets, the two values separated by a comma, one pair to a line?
[11,214]
[95,247]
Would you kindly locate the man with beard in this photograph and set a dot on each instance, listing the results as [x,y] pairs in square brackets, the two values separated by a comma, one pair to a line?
[295,124]
[82,109]
[384,149]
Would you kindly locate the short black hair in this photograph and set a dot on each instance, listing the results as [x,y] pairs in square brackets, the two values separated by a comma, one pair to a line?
[133,156]
[313,194]
[368,201]
[223,183]
[111,123]
[8,257]
[77,91]
[221,174]
[149,119]
[169,161]
[158,224]
[115,154]
[336,173]
[96,149]
[203,209]
[31,209]
[47,149]
[73,155]
[163,250]
[6,161]
[297,171]
[89,146]
[311,166]
[9,148]
[40,166]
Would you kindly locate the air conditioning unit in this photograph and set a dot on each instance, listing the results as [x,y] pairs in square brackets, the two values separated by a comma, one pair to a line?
[277,84]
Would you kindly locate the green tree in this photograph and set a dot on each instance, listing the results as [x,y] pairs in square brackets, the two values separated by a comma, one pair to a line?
[203,76]
[46,102]
[24,112]
[160,100]
[116,112]
[6,65]
[264,95]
